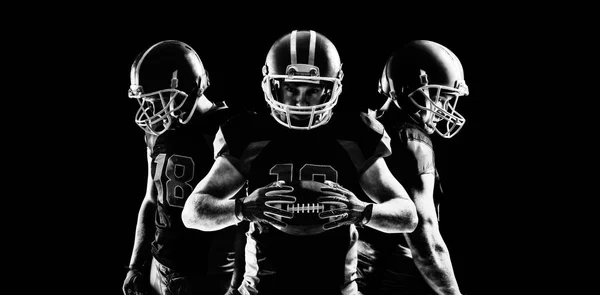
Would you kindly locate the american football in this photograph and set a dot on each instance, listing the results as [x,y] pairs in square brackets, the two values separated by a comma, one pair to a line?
[306,209]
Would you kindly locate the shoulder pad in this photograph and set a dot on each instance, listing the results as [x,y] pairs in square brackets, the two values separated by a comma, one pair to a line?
[150,140]
[372,122]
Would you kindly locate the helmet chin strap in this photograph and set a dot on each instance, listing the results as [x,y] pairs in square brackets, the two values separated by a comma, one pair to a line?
[416,118]
[377,113]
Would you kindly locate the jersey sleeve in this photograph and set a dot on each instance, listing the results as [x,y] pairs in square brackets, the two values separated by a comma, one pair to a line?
[363,138]
[419,144]
[412,152]
[375,144]
[222,147]
[234,141]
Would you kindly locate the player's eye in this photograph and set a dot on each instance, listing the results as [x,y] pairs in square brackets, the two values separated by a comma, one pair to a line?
[290,89]
[314,91]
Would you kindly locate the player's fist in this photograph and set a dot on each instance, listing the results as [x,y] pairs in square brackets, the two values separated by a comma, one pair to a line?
[347,209]
[259,205]
[136,283]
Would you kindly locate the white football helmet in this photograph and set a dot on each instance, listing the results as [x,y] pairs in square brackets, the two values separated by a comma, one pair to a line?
[306,57]
[418,75]
[166,80]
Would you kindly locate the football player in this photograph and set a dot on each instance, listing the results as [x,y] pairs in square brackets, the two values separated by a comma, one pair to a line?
[301,138]
[168,81]
[421,82]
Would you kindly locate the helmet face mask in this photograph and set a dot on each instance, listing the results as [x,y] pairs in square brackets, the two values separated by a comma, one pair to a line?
[158,109]
[300,117]
[437,104]
[303,58]
[425,80]
[166,81]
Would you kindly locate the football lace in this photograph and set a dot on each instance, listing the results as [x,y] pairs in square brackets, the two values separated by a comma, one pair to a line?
[305,208]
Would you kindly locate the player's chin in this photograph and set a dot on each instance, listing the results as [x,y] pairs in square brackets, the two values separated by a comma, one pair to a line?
[300,120]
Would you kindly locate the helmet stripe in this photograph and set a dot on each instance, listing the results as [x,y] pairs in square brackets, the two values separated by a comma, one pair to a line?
[293,54]
[133,74]
[311,50]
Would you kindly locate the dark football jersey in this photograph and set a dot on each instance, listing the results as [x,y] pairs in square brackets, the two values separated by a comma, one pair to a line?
[264,152]
[385,260]
[180,159]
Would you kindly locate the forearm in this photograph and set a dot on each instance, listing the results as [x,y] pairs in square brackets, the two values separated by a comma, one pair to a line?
[240,254]
[394,216]
[144,234]
[206,213]
[432,258]
[437,271]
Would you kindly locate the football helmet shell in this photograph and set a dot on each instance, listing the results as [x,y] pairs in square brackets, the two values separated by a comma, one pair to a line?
[166,80]
[426,69]
[302,56]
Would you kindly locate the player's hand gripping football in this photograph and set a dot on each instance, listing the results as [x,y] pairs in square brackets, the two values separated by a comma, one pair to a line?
[136,283]
[258,206]
[348,208]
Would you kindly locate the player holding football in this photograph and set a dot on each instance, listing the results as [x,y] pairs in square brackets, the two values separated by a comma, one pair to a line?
[301,139]
[421,82]
[168,81]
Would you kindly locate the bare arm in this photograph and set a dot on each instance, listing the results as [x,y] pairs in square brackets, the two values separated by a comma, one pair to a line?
[210,207]
[240,254]
[144,231]
[394,212]
[429,251]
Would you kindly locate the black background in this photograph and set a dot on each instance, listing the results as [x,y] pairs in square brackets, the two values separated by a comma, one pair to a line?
[106,149]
